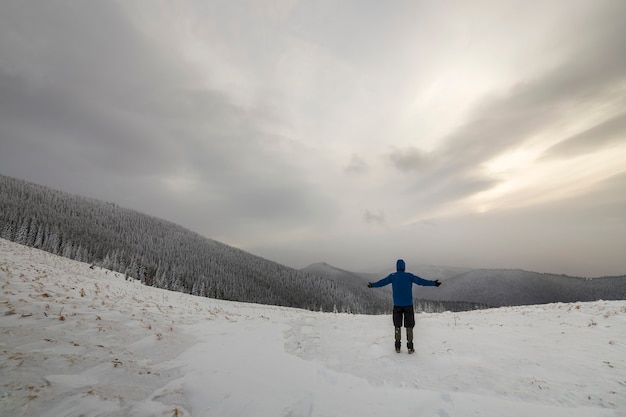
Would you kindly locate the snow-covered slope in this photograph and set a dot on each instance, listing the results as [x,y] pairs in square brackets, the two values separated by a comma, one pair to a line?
[76,341]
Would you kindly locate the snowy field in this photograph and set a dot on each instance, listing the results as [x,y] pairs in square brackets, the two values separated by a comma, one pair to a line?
[81,342]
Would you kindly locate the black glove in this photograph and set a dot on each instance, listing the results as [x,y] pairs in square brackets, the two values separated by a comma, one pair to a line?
[437,283]
[369,285]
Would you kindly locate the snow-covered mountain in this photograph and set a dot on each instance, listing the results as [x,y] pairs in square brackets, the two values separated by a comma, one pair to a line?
[494,287]
[354,282]
[162,254]
[81,341]
[503,287]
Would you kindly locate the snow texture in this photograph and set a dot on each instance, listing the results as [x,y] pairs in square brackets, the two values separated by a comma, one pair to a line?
[77,341]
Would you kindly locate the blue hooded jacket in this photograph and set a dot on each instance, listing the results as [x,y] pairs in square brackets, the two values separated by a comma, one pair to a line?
[402,284]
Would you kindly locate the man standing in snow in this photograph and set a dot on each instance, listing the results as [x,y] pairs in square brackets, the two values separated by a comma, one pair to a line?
[402,287]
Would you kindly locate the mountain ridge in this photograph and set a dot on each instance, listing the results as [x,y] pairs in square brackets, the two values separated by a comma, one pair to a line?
[500,287]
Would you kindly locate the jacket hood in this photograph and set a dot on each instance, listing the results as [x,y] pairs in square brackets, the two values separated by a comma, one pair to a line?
[400,266]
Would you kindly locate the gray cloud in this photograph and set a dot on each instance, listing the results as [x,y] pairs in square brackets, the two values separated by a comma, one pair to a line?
[603,134]
[357,165]
[409,159]
[375,218]
[90,105]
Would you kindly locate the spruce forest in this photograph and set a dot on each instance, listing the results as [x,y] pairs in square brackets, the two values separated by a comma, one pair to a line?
[164,255]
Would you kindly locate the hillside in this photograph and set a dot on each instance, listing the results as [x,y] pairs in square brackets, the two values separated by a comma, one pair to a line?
[354,282]
[78,341]
[501,287]
[162,254]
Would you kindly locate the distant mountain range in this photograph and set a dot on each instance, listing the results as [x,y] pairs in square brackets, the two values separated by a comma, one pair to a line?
[162,254]
[494,287]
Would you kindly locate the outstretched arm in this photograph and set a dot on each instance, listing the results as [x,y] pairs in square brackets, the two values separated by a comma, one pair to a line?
[380,283]
[424,282]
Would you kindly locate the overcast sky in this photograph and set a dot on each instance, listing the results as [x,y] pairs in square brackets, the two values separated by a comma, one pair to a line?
[464,133]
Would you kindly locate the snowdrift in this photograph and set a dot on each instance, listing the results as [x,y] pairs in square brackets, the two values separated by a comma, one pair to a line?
[77,341]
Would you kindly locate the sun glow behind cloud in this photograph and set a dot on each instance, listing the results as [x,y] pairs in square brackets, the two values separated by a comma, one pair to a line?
[527,180]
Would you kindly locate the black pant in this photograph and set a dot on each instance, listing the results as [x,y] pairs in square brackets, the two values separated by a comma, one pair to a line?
[403,313]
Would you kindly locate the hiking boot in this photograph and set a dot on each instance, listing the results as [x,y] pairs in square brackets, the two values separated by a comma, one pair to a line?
[398,335]
[409,346]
